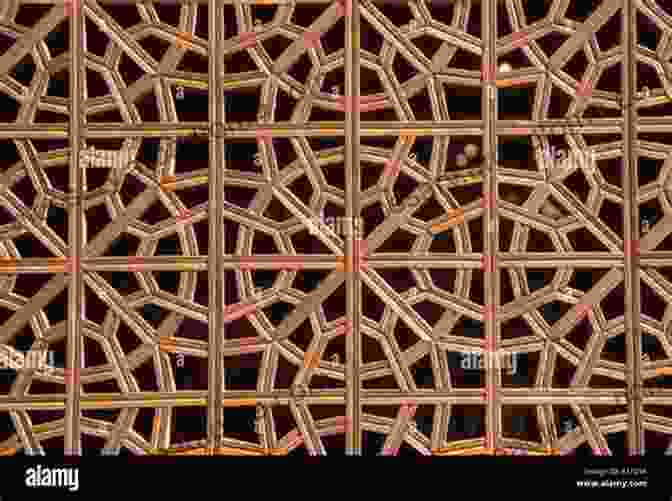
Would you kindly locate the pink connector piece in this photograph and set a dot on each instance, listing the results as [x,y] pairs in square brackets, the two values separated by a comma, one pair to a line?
[487,72]
[344,329]
[520,40]
[238,310]
[632,248]
[583,310]
[372,103]
[489,263]
[392,168]
[361,248]
[71,7]
[244,341]
[311,39]
[361,254]
[344,7]
[135,263]
[408,410]
[248,345]
[294,439]
[72,376]
[343,423]
[489,310]
[247,263]
[245,350]
[584,89]
[264,136]
[345,103]
[248,39]
[183,216]
[350,104]
[342,420]
[488,200]
[71,265]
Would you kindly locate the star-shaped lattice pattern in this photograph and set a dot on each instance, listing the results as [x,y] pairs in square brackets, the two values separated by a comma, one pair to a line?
[438,239]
